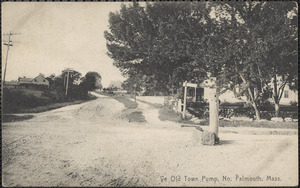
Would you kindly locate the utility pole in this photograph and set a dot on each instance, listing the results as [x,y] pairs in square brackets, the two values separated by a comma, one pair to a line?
[67,85]
[68,75]
[8,44]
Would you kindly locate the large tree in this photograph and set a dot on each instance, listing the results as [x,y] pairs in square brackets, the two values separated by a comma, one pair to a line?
[261,46]
[245,45]
[157,41]
[76,89]
[279,47]
[92,81]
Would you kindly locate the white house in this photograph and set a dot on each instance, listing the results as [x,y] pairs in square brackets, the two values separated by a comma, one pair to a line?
[39,80]
[288,96]
[228,96]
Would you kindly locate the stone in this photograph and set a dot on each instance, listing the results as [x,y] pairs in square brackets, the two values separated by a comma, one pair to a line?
[241,119]
[277,119]
[295,120]
[288,119]
[262,120]
[209,138]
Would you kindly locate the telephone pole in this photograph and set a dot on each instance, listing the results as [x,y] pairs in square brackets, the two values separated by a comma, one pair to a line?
[68,75]
[8,44]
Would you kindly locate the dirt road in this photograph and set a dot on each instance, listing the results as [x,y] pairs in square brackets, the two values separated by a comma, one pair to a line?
[88,145]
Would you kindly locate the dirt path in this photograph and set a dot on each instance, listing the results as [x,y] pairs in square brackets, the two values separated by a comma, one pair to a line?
[87,145]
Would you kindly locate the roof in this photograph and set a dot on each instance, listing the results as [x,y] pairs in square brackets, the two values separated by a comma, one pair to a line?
[25,80]
[11,82]
[40,75]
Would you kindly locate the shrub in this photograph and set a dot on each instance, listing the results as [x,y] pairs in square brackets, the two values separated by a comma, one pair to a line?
[294,103]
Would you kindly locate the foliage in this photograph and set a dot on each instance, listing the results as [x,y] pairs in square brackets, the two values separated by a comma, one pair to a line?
[77,87]
[245,44]
[294,103]
[154,48]
[252,57]
[92,81]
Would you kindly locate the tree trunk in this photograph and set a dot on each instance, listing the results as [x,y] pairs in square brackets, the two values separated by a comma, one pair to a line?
[257,113]
[277,108]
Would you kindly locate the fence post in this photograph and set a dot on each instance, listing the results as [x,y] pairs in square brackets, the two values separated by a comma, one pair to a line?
[184,100]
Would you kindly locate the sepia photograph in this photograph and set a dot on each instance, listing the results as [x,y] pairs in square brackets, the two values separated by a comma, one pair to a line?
[149,94]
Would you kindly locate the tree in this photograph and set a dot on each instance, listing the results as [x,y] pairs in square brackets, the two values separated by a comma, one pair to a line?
[51,79]
[134,84]
[167,42]
[157,42]
[92,81]
[76,88]
[256,48]
[281,47]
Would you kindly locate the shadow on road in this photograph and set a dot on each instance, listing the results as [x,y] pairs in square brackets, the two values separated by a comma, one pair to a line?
[226,142]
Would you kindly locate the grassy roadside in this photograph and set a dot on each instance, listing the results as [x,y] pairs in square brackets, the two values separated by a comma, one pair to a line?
[259,124]
[131,113]
[166,114]
[129,104]
[13,118]
[54,106]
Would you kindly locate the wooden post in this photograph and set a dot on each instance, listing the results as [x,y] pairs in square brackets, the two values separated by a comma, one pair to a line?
[195,94]
[179,105]
[184,100]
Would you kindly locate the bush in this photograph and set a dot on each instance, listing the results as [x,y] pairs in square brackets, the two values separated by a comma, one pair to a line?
[294,103]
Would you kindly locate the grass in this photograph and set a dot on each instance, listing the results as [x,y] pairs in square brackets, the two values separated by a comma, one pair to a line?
[52,106]
[131,113]
[259,124]
[136,116]
[43,106]
[155,105]
[25,100]
[129,104]
[13,118]
[166,114]
[27,91]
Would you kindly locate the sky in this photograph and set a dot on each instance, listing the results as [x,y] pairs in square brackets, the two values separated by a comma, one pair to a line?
[57,35]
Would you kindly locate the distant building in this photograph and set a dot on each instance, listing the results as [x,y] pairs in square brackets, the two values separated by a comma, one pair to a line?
[24,80]
[203,92]
[40,80]
[288,96]
[11,84]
